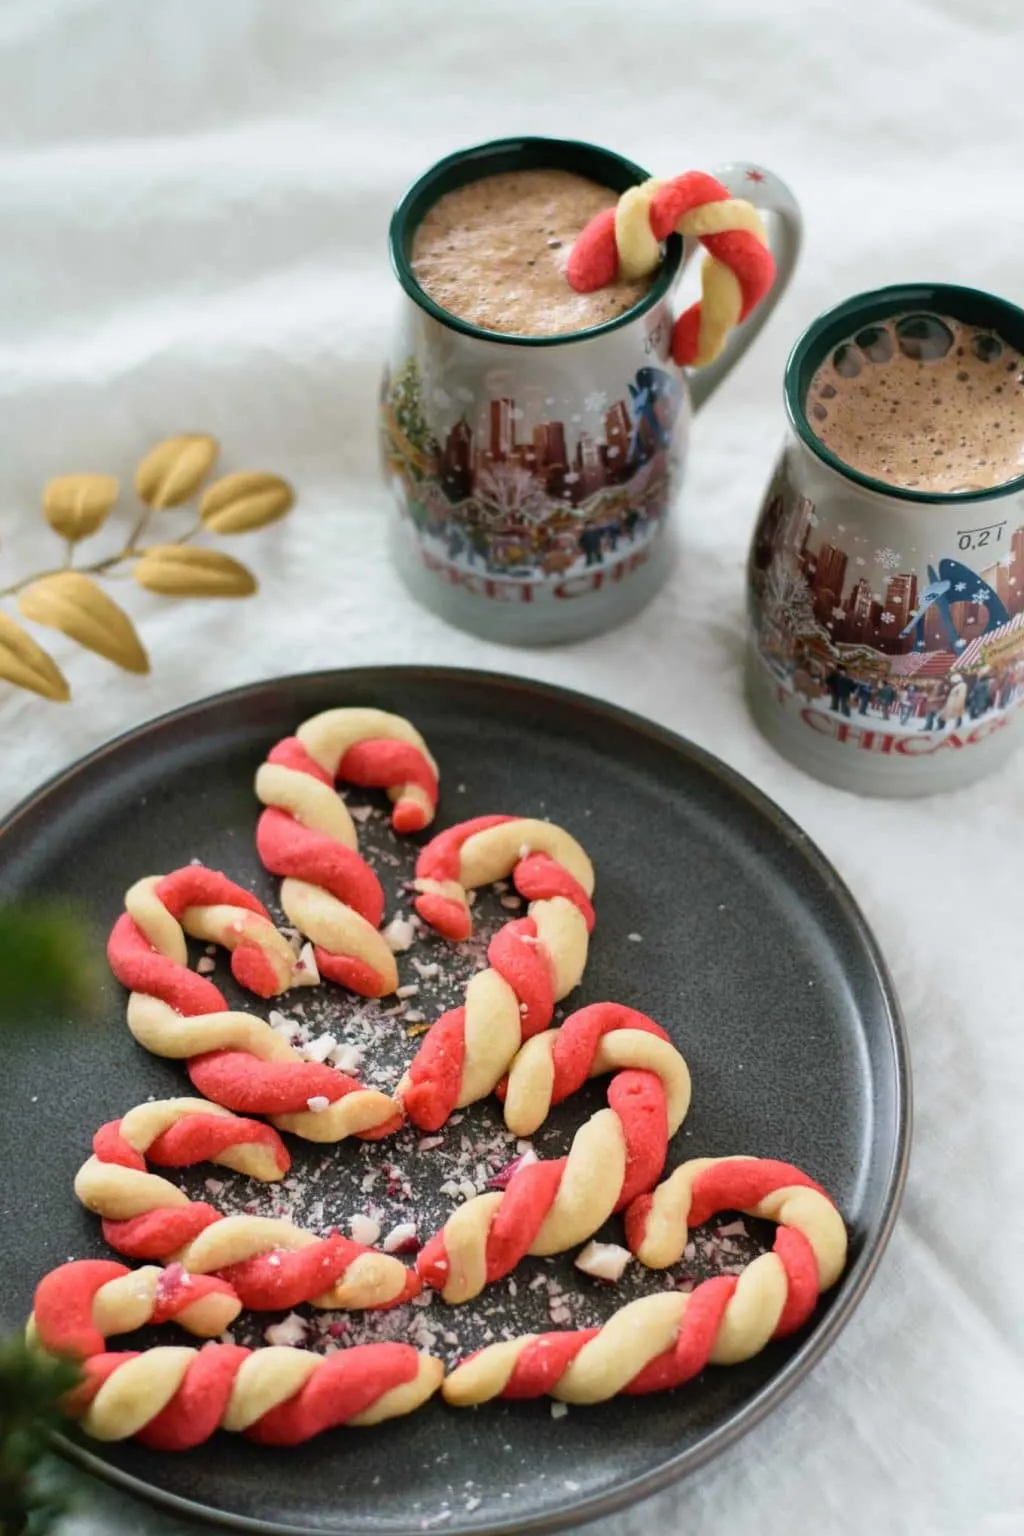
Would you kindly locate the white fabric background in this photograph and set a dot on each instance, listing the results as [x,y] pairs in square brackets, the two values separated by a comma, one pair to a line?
[195,200]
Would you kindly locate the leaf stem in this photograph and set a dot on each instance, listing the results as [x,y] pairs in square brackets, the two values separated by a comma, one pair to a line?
[98,568]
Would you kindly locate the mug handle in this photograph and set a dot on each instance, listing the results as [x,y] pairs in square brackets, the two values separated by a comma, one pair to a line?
[785,236]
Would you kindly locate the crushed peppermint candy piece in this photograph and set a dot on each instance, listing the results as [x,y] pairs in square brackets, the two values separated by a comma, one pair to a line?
[407,991]
[347,1058]
[364,1229]
[318,1103]
[559,1410]
[428,1143]
[402,1239]
[605,1261]
[171,1280]
[214,1186]
[635,938]
[204,965]
[426,970]
[291,1330]
[414,1016]
[305,972]
[360,813]
[512,903]
[501,1179]
[399,935]
[319,1049]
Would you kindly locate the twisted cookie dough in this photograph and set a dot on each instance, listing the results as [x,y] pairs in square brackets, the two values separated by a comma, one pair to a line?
[534,961]
[174,1399]
[235,1059]
[662,1341]
[305,833]
[548,1207]
[270,1264]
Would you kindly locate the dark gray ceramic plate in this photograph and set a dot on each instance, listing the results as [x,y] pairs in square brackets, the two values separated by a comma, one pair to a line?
[753,955]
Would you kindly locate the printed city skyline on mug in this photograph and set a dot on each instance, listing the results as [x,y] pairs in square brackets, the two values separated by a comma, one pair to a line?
[532,487]
[884,637]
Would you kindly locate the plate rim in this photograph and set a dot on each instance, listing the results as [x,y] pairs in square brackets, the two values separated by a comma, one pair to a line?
[858,1278]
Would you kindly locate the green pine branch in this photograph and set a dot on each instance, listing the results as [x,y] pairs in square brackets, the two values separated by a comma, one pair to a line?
[49,978]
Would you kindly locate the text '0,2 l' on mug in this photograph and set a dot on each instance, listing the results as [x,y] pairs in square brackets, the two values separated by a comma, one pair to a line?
[534,438]
[885,583]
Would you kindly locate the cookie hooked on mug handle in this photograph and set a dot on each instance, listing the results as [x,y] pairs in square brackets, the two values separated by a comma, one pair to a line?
[746,267]
[769,194]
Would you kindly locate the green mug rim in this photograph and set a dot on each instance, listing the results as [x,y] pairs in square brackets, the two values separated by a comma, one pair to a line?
[973,306]
[510,154]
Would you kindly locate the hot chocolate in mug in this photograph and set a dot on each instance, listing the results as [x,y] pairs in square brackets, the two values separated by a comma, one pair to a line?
[534,476]
[886,644]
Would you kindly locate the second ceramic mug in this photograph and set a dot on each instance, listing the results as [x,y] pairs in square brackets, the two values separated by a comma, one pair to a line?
[886,648]
[533,476]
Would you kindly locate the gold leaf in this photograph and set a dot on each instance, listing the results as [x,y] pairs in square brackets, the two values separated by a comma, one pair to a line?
[248,499]
[27,665]
[76,505]
[176,570]
[74,604]
[174,470]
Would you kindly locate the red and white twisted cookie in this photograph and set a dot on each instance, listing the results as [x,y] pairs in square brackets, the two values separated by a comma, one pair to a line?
[173,1399]
[306,835]
[534,961]
[235,1059]
[548,1207]
[625,241]
[79,1305]
[270,1264]
[662,1341]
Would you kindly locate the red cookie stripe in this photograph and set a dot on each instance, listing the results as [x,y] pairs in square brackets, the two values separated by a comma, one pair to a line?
[544,1361]
[694,1342]
[201,1138]
[195,1411]
[138,967]
[344,1385]
[155,1235]
[290,850]
[380,763]
[515,955]
[440,859]
[737,1185]
[290,753]
[539,877]
[197,886]
[435,1074]
[241,1082]
[62,1306]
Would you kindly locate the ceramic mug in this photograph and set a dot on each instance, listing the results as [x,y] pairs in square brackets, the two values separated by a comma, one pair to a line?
[533,476]
[886,625]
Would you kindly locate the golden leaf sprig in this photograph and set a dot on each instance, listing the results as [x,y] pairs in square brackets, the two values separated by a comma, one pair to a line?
[69,598]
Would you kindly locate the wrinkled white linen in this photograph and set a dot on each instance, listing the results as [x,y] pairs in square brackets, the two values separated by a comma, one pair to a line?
[195,202]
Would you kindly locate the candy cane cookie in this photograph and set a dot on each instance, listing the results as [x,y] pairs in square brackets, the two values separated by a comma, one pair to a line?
[533,962]
[662,1341]
[172,1399]
[270,1264]
[80,1304]
[305,833]
[738,269]
[549,1206]
[235,1059]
